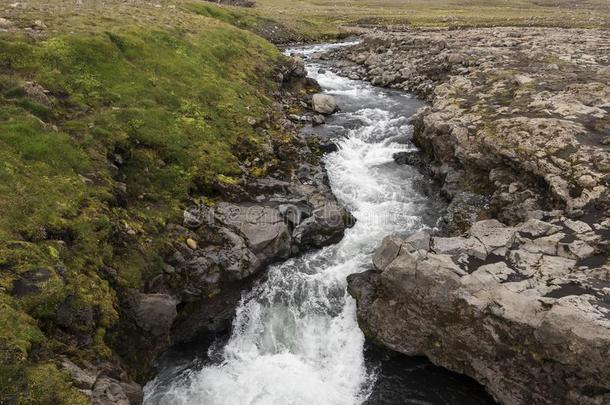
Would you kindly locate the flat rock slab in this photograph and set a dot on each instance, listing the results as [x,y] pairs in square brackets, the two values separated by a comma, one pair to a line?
[530,323]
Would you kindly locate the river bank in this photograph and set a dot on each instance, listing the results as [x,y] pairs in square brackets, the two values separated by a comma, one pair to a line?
[295,339]
[516,131]
[150,174]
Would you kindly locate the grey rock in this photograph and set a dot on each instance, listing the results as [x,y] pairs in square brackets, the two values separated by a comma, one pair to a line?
[577,226]
[155,313]
[133,391]
[387,252]
[536,228]
[325,226]
[456,245]
[418,241]
[324,103]
[493,234]
[83,379]
[318,119]
[108,391]
[554,318]
[292,213]
[194,217]
[263,227]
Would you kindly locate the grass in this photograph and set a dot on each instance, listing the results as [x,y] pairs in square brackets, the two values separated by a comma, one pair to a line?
[137,119]
[116,115]
[323,17]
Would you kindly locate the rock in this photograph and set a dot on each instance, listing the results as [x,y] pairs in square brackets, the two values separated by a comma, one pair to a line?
[133,392]
[155,313]
[455,58]
[194,217]
[324,227]
[523,80]
[387,252]
[37,93]
[30,282]
[298,67]
[464,210]
[5,24]
[191,243]
[263,227]
[292,213]
[411,158]
[76,319]
[456,245]
[493,235]
[318,120]
[39,24]
[108,391]
[324,103]
[530,327]
[580,250]
[532,151]
[577,226]
[418,241]
[81,379]
[535,228]
[604,71]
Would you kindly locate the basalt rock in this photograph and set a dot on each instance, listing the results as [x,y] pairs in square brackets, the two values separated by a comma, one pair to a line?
[236,241]
[324,104]
[503,121]
[522,309]
[281,205]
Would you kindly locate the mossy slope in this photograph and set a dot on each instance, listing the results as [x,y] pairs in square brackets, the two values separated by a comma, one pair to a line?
[105,135]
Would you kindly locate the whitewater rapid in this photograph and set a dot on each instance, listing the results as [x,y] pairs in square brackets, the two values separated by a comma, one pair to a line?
[295,339]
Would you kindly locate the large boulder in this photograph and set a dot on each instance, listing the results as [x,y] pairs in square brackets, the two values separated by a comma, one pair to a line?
[524,310]
[263,227]
[324,103]
[109,391]
[155,313]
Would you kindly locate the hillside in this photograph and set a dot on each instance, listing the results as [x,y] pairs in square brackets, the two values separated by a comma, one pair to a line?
[112,119]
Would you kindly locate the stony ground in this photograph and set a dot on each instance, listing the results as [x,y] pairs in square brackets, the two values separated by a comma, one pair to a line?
[522,114]
[518,129]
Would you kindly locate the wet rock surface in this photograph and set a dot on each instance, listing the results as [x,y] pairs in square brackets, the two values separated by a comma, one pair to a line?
[236,241]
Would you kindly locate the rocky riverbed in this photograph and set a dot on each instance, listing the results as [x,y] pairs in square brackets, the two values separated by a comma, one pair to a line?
[222,248]
[516,293]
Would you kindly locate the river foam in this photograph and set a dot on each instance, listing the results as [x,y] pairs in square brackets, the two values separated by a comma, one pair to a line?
[295,339]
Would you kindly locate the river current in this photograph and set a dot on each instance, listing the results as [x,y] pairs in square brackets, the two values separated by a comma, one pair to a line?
[295,339]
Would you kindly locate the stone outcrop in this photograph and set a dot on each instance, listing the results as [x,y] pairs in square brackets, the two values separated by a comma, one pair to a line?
[104,384]
[525,310]
[517,130]
[519,115]
[324,103]
[235,241]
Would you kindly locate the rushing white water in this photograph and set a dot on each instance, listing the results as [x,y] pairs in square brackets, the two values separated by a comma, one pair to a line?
[295,339]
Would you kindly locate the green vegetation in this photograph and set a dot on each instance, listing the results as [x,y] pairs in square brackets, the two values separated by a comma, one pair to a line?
[324,17]
[107,131]
[115,115]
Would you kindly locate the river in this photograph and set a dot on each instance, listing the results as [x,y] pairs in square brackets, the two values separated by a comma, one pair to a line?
[295,339]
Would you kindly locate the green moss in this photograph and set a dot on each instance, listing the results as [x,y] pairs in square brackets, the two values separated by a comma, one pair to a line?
[18,332]
[48,385]
[155,111]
